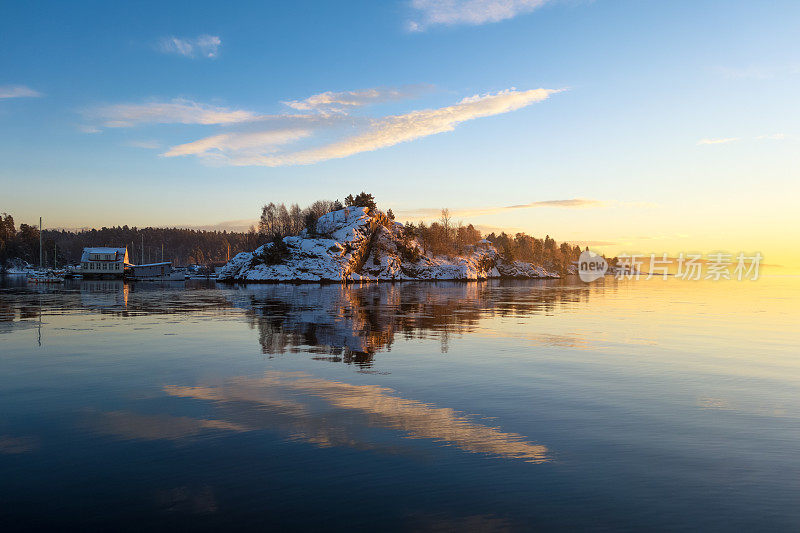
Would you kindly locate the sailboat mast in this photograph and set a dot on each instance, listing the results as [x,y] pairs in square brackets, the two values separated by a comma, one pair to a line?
[41,264]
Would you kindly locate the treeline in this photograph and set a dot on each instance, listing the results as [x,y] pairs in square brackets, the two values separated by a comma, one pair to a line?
[546,252]
[445,237]
[180,246]
[278,221]
[185,246]
[22,243]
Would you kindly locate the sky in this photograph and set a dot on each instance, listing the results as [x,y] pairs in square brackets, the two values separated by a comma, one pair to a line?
[627,126]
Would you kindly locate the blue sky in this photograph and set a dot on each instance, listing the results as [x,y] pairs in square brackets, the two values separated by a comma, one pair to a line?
[675,123]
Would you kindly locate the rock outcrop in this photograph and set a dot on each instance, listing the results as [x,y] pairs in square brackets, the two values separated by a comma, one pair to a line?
[355,244]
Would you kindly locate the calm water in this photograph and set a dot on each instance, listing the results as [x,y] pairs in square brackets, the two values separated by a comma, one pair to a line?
[438,406]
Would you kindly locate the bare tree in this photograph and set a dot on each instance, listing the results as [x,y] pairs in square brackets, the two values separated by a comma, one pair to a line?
[268,224]
[284,222]
[296,219]
[278,221]
[446,222]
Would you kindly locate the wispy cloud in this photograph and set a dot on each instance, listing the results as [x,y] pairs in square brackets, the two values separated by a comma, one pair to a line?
[323,121]
[773,137]
[595,243]
[432,213]
[18,91]
[758,72]
[468,12]
[201,46]
[146,144]
[378,133]
[724,140]
[241,225]
[341,102]
[176,111]
[572,203]
[318,108]
[241,143]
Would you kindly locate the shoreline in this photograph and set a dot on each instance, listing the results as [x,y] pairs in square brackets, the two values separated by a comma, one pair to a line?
[359,281]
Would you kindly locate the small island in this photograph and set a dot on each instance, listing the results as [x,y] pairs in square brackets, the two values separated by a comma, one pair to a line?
[357,242]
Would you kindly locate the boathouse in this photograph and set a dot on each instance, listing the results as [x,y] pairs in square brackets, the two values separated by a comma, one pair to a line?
[151,271]
[104,262]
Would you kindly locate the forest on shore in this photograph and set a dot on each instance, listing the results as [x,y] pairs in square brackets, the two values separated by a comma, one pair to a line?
[201,247]
[145,245]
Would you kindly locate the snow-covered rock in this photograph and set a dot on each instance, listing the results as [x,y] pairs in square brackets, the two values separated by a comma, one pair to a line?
[522,270]
[343,239]
[15,265]
[356,244]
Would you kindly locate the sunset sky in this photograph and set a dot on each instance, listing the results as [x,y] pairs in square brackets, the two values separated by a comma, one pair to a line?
[628,125]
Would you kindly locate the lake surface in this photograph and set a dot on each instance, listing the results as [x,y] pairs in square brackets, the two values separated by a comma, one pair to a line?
[493,406]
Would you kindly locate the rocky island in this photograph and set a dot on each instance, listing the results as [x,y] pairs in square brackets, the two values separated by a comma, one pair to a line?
[358,244]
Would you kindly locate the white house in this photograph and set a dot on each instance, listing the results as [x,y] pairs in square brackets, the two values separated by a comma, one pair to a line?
[104,262]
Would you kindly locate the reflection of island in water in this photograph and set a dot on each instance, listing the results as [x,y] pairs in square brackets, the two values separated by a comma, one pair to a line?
[350,323]
[341,323]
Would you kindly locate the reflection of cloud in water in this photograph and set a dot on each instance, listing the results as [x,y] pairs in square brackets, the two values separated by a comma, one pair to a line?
[443,523]
[156,427]
[247,399]
[187,499]
[569,340]
[288,402]
[10,445]
[748,406]
[563,341]
[713,403]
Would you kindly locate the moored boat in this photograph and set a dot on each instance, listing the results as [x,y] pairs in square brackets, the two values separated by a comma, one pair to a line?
[39,276]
